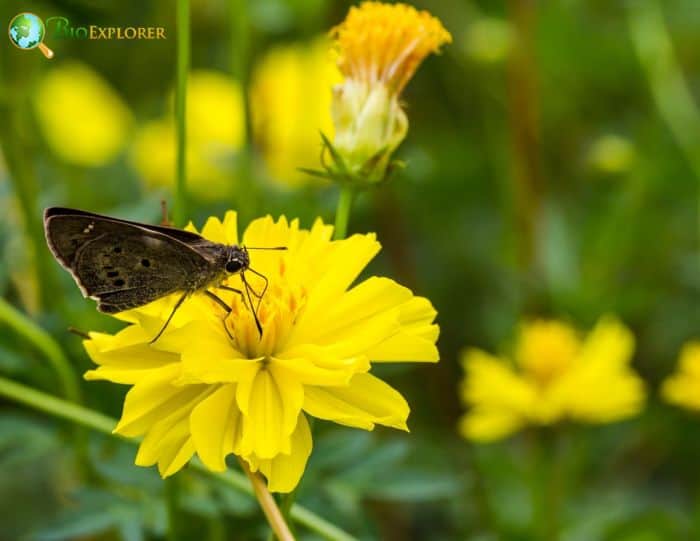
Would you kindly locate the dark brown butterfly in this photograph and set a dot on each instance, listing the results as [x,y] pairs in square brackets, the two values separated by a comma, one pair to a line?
[123,264]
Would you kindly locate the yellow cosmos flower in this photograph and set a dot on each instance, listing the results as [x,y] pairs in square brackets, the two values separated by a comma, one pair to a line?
[300,74]
[380,46]
[215,132]
[557,376]
[196,390]
[683,387]
[84,121]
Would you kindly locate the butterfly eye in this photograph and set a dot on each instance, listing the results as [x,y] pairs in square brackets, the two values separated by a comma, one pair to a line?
[233,266]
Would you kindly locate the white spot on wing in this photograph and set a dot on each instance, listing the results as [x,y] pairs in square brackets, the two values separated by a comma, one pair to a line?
[152,242]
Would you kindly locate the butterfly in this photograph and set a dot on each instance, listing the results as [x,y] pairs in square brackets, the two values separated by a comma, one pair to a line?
[124,265]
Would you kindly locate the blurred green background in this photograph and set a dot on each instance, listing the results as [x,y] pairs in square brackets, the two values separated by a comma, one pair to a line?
[553,163]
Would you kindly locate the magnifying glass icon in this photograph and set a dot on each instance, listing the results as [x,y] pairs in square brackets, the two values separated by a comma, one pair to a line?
[27,32]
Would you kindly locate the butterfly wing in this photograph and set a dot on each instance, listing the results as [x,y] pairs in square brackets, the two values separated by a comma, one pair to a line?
[121,264]
[183,236]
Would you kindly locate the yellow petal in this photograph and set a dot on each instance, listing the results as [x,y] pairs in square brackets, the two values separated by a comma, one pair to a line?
[489,425]
[292,393]
[128,336]
[683,387]
[416,338]
[342,266]
[215,424]
[272,406]
[309,369]
[211,358]
[490,383]
[225,232]
[125,357]
[366,401]
[265,232]
[149,400]
[609,344]
[601,387]
[284,471]
[689,362]
[168,443]
[360,318]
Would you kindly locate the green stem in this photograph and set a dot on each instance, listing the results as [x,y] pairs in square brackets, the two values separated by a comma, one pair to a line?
[246,190]
[546,484]
[342,213]
[20,165]
[171,486]
[524,128]
[240,45]
[180,212]
[29,330]
[670,90]
[104,424]
[268,504]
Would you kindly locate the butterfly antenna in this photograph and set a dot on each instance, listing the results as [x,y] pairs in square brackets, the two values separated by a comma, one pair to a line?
[164,210]
[266,248]
[78,332]
[250,302]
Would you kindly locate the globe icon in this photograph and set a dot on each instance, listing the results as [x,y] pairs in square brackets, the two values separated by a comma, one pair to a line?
[27,32]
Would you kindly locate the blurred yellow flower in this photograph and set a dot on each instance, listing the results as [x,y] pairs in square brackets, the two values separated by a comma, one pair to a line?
[290,101]
[489,40]
[84,121]
[215,132]
[556,376]
[198,390]
[611,154]
[683,387]
[380,46]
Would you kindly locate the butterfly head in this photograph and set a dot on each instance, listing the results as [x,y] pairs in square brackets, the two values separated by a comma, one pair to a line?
[237,260]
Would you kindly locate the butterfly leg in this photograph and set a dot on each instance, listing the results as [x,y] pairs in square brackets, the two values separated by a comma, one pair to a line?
[233,289]
[170,317]
[250,301]
[223,305]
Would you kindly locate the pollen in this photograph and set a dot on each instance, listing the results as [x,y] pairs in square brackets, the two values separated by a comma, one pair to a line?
[277,312]
[380,42]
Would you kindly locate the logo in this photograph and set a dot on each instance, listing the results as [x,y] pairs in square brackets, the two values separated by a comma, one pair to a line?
[27,32]
[61,28]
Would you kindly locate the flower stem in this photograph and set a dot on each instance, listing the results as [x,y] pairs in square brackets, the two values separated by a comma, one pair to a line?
[180,212]
[268,504]
[56,406]
[97,421]
[171,486]
[669,87]
[29,330]
[523,119]
[16,142]
[247,193]
[546,484]
[342,213]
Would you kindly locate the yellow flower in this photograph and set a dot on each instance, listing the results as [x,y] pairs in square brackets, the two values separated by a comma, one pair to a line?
[489,40]
[557,376]
[197,390]
[612,154]
[215,132]
[380,46]
[683,387]
[82,118]
[300,74]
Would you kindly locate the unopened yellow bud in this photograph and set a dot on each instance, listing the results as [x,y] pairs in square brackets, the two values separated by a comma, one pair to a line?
[369,124]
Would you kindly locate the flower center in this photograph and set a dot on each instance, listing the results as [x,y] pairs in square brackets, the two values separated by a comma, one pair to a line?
[546,350]
[277,312]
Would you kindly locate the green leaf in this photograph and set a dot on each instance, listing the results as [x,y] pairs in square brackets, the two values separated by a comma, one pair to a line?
[413,486]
